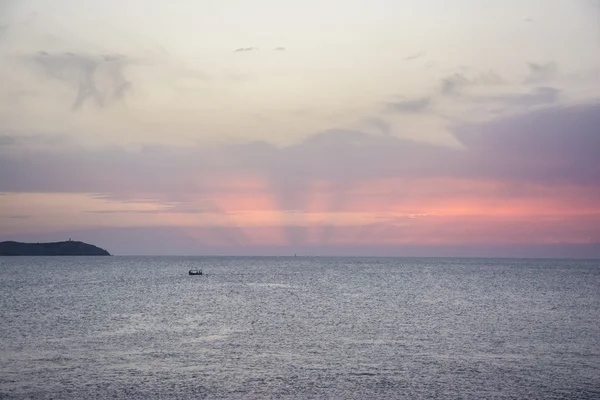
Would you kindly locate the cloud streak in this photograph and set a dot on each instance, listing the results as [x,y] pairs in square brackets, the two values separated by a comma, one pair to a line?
[245,49]
[538,96]
[409,106]
[415,56]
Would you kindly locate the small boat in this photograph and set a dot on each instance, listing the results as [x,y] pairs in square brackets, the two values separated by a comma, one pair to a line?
[195,272]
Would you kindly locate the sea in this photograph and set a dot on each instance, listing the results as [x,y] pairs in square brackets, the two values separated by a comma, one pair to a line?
[299,328]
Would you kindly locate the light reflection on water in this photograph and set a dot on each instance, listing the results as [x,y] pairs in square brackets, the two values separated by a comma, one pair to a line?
[140,327]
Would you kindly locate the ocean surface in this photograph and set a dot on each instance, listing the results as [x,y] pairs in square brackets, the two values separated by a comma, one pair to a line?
[301,328]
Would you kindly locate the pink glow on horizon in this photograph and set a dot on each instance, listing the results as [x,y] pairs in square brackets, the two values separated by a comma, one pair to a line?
[390,211]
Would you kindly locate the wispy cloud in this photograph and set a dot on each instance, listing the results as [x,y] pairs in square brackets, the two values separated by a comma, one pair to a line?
[455,83]
[409,106]
[245,49]
[18,216]
[180,207]
[414,56]
[538,96]
[542,72]
[98,79]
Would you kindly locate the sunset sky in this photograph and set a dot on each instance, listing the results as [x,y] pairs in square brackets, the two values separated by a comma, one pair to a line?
[381,127]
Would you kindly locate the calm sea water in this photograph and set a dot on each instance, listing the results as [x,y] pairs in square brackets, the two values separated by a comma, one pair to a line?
[339,328]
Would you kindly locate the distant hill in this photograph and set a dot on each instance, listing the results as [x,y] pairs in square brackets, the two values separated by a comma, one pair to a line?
[70,248]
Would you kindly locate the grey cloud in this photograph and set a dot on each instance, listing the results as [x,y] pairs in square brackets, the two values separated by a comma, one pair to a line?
[409,106]
[96,78]
[415,56]
[245,49]
[453,84]
[542,72]
[6,140]
[549,146]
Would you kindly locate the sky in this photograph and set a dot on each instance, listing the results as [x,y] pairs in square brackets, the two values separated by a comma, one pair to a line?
[379,128]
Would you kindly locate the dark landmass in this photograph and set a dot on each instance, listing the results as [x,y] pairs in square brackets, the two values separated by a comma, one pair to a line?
[70,248]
